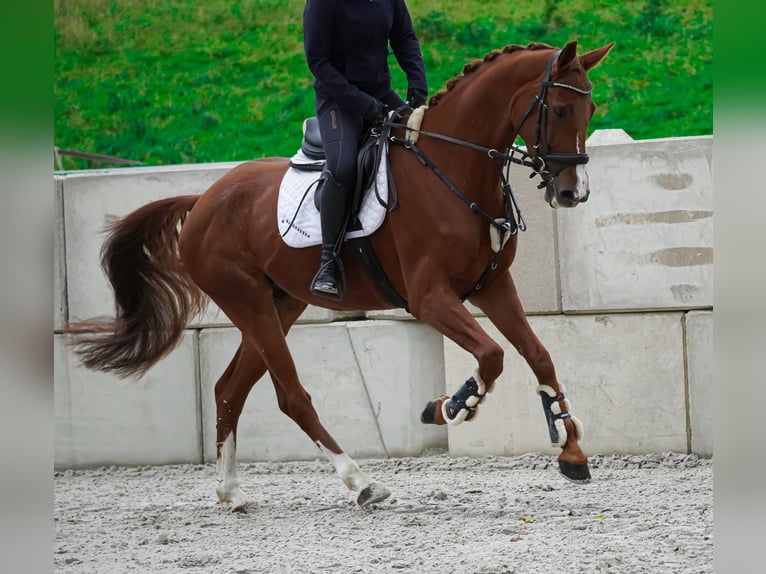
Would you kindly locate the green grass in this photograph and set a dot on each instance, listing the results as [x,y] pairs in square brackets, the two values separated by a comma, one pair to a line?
[182,81]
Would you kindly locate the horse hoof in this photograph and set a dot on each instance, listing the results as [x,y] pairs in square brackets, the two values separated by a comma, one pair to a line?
[236,499]
[432,413]
[240,507]
[577,473]
[371,494]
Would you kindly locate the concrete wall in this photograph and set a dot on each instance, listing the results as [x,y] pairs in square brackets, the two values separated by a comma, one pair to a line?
[619,290]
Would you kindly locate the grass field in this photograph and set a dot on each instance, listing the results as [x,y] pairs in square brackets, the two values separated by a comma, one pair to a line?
[180,81]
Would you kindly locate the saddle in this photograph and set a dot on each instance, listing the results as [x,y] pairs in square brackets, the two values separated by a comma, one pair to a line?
[368,160]
[370,154]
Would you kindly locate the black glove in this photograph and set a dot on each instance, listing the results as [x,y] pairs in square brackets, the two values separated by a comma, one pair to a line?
[376,113]
[416,98]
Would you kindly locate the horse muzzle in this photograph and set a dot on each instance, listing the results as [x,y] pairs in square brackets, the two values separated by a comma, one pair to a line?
[565,197]
[567,187]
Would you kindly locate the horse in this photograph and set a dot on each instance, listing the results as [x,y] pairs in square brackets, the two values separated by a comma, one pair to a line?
[165,260]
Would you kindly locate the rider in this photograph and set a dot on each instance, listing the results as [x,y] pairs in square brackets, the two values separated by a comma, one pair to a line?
[346,44]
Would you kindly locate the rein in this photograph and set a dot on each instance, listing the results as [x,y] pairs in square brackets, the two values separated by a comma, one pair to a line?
[513,222]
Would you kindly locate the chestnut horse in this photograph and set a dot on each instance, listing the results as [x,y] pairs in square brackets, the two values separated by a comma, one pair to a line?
[434,248]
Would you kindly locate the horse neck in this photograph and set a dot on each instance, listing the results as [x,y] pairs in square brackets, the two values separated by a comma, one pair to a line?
[478,110]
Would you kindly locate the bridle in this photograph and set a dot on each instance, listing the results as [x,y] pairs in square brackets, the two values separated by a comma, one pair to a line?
[538,163]
[540,101]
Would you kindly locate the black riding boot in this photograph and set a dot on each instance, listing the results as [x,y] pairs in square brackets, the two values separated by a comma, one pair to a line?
[332,214]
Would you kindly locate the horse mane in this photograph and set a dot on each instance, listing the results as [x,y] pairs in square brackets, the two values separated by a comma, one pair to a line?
[471,67]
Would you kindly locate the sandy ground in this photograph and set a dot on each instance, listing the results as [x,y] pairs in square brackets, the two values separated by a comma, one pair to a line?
[642,514]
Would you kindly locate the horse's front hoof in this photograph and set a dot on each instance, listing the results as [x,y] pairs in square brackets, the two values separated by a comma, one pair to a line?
[371,494]
[432,413]
[577,473]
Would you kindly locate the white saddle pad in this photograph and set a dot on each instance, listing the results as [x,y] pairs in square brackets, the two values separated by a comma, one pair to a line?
[298,218]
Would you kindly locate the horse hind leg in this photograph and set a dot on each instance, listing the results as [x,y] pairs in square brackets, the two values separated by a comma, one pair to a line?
[295,402]
[258,318]
[231,390]
[246,368]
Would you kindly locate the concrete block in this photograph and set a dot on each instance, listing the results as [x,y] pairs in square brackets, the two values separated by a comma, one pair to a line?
[624,376]
[402,367]
[699,350]
[535,268]
[608,137]
[59,257]
[103,420]
[314,314]
[645,239]
[93,198]
[367,381]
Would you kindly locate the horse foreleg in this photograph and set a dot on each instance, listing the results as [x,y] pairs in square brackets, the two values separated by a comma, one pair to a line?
[246,368]
[445,313]
[500,302]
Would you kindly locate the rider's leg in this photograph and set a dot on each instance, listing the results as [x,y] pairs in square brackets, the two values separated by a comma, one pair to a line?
[340,129]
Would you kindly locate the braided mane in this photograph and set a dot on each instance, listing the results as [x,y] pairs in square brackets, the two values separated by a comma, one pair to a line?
[476,64]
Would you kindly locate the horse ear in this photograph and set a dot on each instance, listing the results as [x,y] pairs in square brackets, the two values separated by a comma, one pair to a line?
[591,59]
[568,54]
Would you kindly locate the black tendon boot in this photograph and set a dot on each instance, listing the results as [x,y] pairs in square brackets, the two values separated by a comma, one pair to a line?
[332,214]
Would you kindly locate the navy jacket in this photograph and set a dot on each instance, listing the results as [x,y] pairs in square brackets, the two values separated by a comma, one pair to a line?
[346,44]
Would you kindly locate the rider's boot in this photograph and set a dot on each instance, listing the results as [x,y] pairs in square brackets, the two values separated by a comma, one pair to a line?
[332,214]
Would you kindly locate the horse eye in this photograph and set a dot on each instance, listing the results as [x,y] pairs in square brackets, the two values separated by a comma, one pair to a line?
[559,111]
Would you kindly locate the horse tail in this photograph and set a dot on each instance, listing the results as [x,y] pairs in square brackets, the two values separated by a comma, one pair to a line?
[155,298]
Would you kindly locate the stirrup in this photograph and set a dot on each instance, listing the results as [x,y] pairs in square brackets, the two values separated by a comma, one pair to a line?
[327,288]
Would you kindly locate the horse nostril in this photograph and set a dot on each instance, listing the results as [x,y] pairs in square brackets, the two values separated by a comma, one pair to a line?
[568,194]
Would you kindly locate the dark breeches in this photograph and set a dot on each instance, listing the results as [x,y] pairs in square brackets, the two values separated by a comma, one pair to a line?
[341,130]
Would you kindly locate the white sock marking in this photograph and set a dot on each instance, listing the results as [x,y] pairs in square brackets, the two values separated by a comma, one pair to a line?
[227,487]
[348,471]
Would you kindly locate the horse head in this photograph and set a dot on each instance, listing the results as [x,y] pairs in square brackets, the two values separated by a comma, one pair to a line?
[551,114]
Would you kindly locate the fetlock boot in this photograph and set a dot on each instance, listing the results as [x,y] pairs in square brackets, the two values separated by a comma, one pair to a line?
[332,214]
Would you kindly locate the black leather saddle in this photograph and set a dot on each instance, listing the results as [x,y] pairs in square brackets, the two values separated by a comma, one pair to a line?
[370,150]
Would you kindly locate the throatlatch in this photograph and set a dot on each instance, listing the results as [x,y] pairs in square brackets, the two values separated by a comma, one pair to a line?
[555,417]
[465,401]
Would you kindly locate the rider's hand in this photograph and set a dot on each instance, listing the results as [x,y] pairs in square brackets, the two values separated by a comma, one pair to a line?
[416,98]
[376,113]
